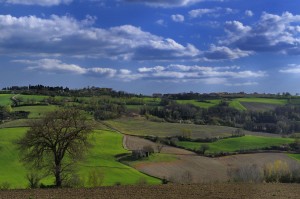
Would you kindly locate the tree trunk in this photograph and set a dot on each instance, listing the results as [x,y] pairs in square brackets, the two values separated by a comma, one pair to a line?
[58,181]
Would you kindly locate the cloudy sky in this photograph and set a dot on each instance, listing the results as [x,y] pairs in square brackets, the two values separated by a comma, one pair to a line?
[147,46]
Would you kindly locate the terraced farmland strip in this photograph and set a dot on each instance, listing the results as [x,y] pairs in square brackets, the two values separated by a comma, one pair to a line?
[241,143]
[255,106]
[142,127]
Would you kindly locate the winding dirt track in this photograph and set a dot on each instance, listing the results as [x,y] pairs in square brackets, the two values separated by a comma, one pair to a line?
[195,191]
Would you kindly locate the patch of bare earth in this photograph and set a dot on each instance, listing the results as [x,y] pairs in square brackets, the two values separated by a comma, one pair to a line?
[194,191]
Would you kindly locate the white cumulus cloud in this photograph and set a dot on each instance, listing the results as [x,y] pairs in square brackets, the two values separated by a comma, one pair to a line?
[292,68]
[64,35]
[37,2]
[212,12]
[271,33]
[177,18]
[168,3]
[249,13]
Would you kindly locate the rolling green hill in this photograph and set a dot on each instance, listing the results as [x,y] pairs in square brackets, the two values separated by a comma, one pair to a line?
[106,145]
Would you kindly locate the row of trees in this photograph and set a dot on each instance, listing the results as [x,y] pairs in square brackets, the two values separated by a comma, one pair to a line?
[61,91]
[282,120]
[273,172]
[222,95]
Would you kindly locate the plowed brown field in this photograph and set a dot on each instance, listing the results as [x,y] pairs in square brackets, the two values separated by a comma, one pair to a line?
[196,191]
[188,167]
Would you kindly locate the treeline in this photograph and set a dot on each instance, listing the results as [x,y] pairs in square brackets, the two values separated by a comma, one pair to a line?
[282,120]
[274,172]
[65,91]
[222,95]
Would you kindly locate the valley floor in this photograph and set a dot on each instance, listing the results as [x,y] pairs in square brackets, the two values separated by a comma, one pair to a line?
[227,190]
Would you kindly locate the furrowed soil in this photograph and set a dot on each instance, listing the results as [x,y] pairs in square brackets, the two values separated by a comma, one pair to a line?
[188,167]
[194,191]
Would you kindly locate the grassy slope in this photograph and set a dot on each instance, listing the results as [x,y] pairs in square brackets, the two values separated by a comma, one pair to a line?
[102,156]
[11,170]
[5,99]
[234,144]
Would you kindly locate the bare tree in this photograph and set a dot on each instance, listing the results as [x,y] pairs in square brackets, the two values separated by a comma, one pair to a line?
[55,143]
[246,173]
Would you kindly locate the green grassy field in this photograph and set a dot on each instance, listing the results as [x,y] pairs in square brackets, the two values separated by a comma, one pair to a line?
[11,170]
[240,143]
[36,111]
[107,145]
[5,99]
[204,104]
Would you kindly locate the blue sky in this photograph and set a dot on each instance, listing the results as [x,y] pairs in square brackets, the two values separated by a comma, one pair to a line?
[147,46]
